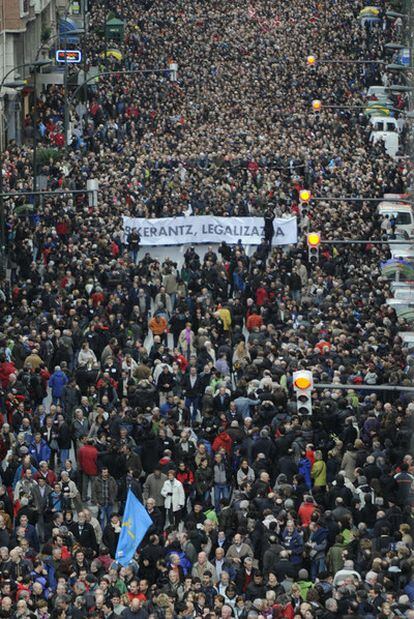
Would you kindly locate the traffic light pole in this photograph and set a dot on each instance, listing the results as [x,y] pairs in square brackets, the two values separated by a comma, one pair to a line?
[46,192]
[365,242]
[346,387]
[358,199]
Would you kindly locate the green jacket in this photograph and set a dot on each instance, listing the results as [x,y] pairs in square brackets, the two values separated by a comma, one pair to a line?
[318,473]
[334,559]
[304,586]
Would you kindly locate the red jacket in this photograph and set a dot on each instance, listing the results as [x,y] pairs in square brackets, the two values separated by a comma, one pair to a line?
[305,512]
[186,478]
[87,458]
[223,440]
[261,296]
[6,368]
[254,320]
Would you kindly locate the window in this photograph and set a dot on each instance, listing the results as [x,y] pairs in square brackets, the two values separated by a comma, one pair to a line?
[403,219]
[24,7]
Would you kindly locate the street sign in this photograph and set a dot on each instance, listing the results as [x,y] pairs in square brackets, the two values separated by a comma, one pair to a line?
[71,56]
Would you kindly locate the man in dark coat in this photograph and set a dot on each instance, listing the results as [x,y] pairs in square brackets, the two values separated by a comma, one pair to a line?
[111,534]
[83,532]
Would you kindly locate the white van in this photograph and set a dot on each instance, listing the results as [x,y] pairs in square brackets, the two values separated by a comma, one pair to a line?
[404,293]
[404,249]
[387,129]
[407,340]
[402,212]
[377,93]
[403,308]
[397,197]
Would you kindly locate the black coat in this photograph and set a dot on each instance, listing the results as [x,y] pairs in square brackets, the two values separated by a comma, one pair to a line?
[110,538]
[87,538]
[148,558]
[157,520]
[283,568]
[263,446]
[151,453]
[221,405]
[64,436]
[192,391]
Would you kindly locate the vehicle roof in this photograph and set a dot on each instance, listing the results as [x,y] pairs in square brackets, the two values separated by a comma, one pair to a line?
[406,336]
[394,206]
[374,119]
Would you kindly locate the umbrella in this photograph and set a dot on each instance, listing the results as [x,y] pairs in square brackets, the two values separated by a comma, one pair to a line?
[23,209]
[369,11]
[115,53]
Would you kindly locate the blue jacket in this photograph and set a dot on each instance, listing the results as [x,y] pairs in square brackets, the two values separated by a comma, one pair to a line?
[57,382]
[409,590]
[304,468]
[18,474]
[39,452]
[293,543]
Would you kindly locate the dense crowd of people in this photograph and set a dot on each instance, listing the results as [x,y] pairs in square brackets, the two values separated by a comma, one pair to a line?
[120,371]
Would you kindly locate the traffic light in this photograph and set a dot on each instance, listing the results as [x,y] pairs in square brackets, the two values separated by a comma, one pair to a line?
[304,199]
[302,386]
[313,240]
[92,185]
[173,68]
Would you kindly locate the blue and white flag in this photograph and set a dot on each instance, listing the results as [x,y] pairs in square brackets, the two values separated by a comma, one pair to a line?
[135,524]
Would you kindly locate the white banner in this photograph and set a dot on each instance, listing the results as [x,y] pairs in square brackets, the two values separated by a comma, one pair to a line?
[209,229]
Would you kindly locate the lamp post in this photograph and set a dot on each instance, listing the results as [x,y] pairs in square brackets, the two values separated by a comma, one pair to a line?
[36,66]
[76,32]
[64,35]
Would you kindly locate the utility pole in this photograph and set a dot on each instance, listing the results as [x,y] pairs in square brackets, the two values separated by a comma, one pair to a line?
[35,122]
[65,96]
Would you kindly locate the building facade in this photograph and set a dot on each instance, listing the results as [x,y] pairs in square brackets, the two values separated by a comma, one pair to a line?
[24,24]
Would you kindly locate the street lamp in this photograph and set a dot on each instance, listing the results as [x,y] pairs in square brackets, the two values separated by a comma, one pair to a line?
[75,32]
[35,67]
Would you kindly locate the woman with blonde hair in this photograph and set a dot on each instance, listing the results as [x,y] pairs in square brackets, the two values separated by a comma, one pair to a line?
[241,356]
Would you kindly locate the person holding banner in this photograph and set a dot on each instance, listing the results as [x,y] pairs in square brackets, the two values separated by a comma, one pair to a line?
[269,231]
[135,523]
